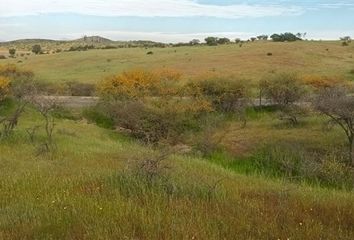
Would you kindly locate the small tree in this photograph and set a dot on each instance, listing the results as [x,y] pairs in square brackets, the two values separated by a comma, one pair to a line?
[285,37]
[12,52]
[45,105]
[194,42]
[211,41]
[223,40]
[285,90]
[237,40]
[226,95]
[338,105]
[37,49]
[253,39]
[262,37]
[346,39]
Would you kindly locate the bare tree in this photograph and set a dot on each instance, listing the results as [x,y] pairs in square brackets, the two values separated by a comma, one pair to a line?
[45,105]
[338,105]
[10,122]
[22,90]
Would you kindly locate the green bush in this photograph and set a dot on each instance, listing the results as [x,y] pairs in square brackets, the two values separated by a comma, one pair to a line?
[285,90]
[97,116]
[152,122]
[6,106]
[64,113]
[296,163]
[226,95]
[81,89]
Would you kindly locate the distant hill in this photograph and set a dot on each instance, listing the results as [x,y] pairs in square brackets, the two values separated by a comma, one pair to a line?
[93,39]
[97,42]
[29,41]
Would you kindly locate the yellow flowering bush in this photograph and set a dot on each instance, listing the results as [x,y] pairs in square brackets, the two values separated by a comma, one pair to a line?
[4,87]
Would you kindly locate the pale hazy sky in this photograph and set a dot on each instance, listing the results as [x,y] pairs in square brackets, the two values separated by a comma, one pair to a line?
[173,20]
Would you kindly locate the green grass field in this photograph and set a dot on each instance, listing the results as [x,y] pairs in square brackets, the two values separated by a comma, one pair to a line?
[86,190]
[249,61]
[267,179]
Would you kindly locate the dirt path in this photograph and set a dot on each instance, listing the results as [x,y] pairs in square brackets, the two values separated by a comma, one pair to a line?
[73,101]
[82,102]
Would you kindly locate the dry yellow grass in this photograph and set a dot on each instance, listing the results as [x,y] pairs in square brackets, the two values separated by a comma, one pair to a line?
[250,61]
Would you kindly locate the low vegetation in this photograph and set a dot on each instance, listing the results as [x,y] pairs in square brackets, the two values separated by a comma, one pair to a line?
[212,156]
[250,62]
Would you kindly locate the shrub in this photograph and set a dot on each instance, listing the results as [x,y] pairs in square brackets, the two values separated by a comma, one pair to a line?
[12,72]
[152,106]
[156,121]
[296,163]
[64,113]
[226,95]
[20,86]
[128,85]
[210,140]
[2,57]
[4,87]
[81,48]
[12,52]
[152,169]
[285,90]
[37,49]
[46,88]
[99,116]
[318,82]
[81,89]
[138,84]
[150,53]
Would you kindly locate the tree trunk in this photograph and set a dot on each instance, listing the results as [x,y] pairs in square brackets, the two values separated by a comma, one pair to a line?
[351,150]
[260,98]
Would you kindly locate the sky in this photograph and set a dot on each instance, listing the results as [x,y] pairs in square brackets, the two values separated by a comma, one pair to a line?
[174,20]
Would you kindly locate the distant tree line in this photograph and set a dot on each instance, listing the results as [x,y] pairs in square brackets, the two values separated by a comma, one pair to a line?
[287,37]
[214,41]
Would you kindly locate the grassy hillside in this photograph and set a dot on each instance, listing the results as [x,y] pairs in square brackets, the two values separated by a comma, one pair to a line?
[249,61]
[87,189]
[175,160]
[50,46]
